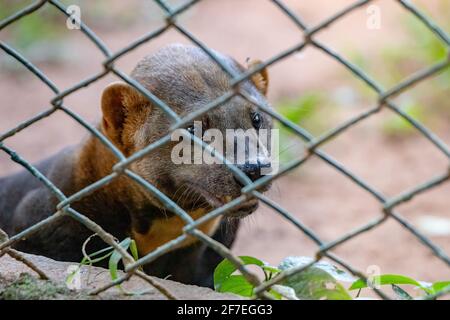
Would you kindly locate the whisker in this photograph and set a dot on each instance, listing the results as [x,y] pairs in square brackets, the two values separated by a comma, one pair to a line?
[289,147]
[182,196]
[199,196]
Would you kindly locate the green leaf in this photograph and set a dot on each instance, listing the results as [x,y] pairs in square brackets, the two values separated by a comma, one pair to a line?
[134,250]
[225,269]
[271,269]
[113,264]
[70,277]
[283,292]
[89,259]
[275,294]
[237,284]
[331,269]
[86,261]
[402,294]
[441,285]
[315,282]
[388,279]
[116,257]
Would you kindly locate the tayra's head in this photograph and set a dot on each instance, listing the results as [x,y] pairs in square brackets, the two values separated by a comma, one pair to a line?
[187,79]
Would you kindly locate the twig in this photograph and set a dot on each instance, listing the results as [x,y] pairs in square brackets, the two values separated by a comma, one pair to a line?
[20,257]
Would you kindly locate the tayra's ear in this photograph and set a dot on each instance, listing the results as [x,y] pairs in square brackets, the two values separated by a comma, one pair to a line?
[118,100]
[260,79]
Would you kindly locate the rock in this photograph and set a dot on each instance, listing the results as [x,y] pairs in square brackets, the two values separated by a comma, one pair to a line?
[17,281]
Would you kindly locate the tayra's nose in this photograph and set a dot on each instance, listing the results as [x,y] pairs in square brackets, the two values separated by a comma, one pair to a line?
[254,170]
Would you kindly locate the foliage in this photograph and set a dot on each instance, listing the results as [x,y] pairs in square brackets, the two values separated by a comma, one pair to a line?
[226,281]
[318,281]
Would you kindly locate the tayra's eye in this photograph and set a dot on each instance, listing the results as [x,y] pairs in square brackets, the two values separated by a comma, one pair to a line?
[191,129]
[257,120]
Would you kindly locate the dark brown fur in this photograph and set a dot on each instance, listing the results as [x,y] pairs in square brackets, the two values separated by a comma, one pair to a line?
[186,79]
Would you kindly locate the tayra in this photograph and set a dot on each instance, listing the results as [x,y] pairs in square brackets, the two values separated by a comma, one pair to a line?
[186,79]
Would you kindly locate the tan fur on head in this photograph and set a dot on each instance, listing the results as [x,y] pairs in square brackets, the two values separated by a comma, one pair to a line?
[260,79]
[120,102]
[185,79]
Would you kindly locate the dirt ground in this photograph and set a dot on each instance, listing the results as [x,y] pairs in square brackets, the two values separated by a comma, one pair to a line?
[316,194]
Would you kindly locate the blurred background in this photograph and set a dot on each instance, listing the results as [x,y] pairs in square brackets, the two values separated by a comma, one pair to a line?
[309,88]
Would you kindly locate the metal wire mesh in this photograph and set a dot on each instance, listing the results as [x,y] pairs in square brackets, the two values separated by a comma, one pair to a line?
[385,96]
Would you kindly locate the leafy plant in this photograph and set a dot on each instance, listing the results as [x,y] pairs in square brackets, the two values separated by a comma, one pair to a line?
[319,280]
[114,258]
[395,280]
[226,281]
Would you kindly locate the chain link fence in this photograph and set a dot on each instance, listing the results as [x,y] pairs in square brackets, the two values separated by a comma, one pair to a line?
[313,144]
